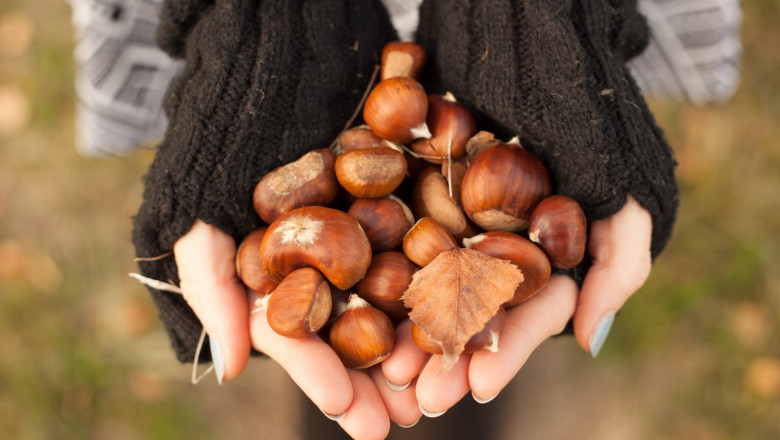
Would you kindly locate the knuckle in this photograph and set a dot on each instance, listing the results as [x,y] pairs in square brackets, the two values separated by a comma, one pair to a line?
[639,273]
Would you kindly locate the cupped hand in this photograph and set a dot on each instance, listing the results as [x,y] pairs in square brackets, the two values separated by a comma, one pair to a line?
[359,400]
[619,247]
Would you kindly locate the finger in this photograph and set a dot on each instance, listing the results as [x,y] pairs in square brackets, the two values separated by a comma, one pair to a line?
[439,391]
[620,251]
[527,326]
[205,257]
[309,362]
[366,418]
[401,405]
[406,360]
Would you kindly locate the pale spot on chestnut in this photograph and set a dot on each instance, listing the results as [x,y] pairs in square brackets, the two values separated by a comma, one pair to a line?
[300,230]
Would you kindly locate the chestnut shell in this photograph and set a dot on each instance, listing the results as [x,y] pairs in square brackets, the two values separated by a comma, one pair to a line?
[396,109]
[558,224]
[502,187]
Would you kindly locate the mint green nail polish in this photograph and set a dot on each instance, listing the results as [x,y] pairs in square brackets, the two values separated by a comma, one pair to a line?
[217,358]
[600,334]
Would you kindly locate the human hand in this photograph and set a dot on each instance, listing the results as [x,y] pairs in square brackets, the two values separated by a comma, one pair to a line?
[206,257]
[360,401]
[620,250]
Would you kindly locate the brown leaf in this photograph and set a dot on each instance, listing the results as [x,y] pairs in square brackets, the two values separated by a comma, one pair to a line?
[455,295]
[479,143]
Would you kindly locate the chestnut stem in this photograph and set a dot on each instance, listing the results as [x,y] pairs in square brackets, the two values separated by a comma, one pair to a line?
[417,155]
[155,284]
[195,378]
[359,106]
[157,258]
[159,285]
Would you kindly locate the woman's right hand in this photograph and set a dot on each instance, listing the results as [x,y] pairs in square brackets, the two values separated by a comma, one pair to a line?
[359,400]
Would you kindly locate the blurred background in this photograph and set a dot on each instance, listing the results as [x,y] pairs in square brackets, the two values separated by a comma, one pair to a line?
[694,355]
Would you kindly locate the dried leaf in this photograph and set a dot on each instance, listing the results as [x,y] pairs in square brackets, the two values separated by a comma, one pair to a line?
[455,295]
[479,143]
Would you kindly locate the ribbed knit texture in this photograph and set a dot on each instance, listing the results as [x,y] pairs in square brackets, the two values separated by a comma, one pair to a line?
[553,72]
[264,82]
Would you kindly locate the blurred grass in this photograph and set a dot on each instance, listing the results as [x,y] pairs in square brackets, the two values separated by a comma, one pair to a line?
[694,355]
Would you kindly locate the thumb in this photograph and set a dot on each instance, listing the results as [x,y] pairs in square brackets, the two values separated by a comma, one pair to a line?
[620,250]
[206,260]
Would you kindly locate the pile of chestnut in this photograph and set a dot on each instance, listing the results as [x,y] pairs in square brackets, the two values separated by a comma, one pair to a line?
[342,243]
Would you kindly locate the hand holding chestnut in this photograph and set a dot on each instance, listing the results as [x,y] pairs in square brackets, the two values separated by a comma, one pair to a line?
[504,188]
[501,188]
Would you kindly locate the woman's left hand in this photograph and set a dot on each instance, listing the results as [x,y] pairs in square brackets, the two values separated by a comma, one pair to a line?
[619,247]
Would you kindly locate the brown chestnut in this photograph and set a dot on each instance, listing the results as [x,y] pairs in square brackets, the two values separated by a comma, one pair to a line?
[358,138]
[396,109]
[249,266]
[301,305]
[315,236]
[431,198]
[531,260]
[558,224]
[451,124]
[385,221]
[371,172]
[502,186]
[310,180]
[362,336]
[402,58]
[426,240]
[386,281]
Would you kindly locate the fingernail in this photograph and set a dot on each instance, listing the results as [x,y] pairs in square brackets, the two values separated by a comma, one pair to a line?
[485,400]
[600,334]
[430,414]
[396,387]
[217,358]
[408,426]
[335,418]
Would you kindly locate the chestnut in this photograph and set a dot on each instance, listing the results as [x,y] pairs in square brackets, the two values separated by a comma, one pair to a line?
[371,172]
[531,260]
[249,266]
[431,198]
[301,305]
[386,281]
[362,336]
[385,221]
[310,180]
[451,124]
[315,236]
[358,138]
[502,186]
[558,224]
[402,58]
[396,109]
[426,240]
